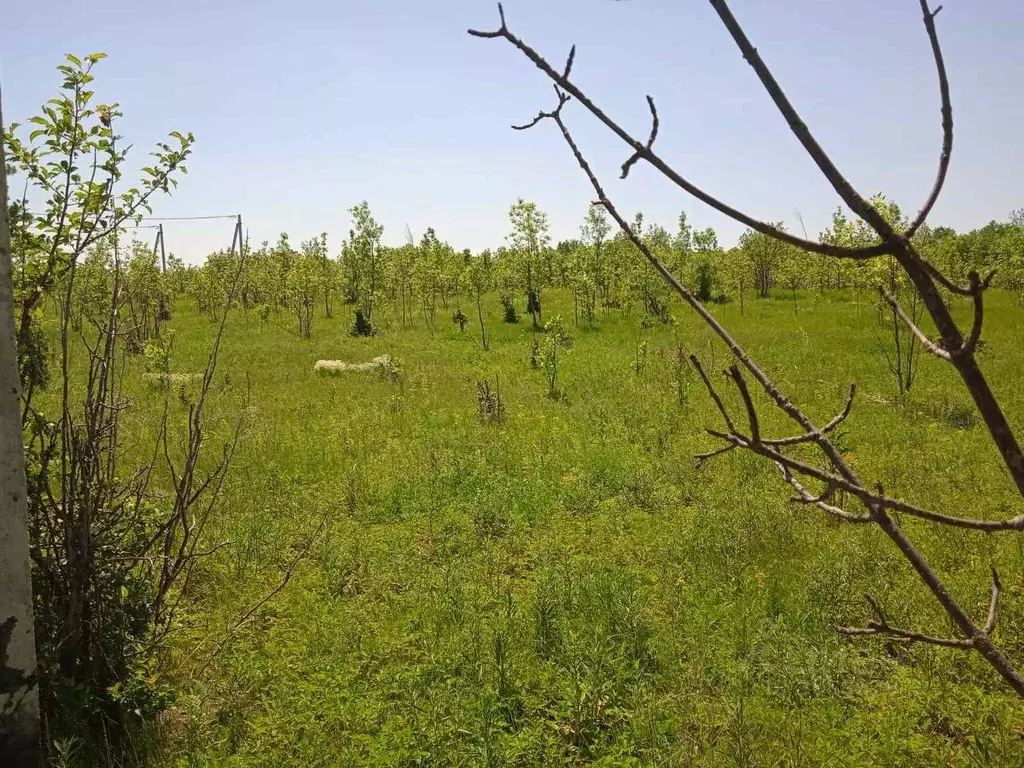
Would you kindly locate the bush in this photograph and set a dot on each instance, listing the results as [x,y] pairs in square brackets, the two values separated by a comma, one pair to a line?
[361,326]
[705,280]
[509,305]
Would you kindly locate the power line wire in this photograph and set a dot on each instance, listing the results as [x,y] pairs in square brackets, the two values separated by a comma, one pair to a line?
[187,218]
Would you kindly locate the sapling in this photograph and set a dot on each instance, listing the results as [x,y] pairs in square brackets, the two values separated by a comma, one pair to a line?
[490,406]
[640,357]
[556,340]
[528,241]
[682,371]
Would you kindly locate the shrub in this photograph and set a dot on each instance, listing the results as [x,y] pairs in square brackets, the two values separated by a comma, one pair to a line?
[509,305]
[361,325]
[489,404]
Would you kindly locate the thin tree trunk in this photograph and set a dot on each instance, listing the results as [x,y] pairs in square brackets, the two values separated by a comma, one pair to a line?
[19,694]
[480,315]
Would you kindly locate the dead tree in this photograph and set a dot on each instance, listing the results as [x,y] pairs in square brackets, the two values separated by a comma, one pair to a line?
[954,346]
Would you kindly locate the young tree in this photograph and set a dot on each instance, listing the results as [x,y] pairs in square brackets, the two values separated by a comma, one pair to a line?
[146,298]
[595,231]
[303,283]
[527,242]
[705,260]
[654,294]
[737,267]
[403,263]
[363,257]
[838,274]
[316,249]
[109,553]
[428,274]
[580,278]
[682,245]
[556,340]
[793,272]
[478,278]
[764,253]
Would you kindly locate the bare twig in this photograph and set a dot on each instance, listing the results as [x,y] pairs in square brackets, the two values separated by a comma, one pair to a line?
[993,605]
[248,614]
[881,626]
[562,99]
[920,335]
[947,120]
[635,157]
[714,393]
[821,501]
[568,63]
[650,156]
[815,436]
[702,457]
[741,385]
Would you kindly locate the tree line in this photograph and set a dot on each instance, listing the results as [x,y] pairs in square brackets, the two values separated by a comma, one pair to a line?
[602,271]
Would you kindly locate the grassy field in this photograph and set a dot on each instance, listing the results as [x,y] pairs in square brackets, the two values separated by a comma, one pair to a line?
[566,588]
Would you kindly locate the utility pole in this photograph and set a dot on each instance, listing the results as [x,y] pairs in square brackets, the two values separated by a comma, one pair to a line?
[237,236]
[159,244]
[19,692]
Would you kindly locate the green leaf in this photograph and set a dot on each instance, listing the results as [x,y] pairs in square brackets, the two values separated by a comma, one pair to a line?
[94,57]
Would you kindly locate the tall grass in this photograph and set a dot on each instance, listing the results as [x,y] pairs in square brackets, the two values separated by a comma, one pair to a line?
[564,587]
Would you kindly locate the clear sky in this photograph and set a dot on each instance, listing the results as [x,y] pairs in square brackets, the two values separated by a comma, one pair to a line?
[301,109]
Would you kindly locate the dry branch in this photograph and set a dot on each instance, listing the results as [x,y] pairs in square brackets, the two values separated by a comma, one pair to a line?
[650,156]
[947,120]
[922,274]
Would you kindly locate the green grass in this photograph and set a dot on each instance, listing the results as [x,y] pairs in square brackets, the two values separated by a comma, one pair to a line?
[566,588]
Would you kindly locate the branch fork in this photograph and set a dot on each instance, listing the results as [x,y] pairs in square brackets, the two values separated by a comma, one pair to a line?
[926,279]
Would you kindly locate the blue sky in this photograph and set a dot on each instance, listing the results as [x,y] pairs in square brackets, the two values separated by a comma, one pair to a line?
[302,109]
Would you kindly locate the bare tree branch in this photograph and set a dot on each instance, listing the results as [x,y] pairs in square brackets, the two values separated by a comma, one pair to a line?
[869,498]
[978,288]
[702,457]
[741,385]
[562,99]
[921,273]
[857,203]
[650,156]
[881,626]
[821,501]
[947,121]
[501,32]
[993,606]
[635,157]
[713,392]
[920,335]
[815,436]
